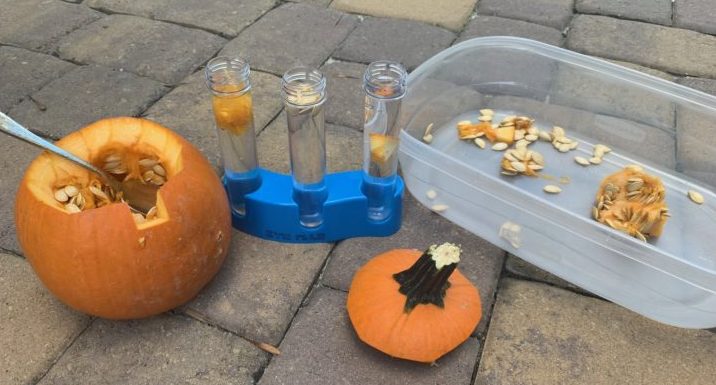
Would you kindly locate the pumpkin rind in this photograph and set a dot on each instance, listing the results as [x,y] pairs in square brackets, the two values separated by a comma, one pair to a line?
[376,309]
[99,261]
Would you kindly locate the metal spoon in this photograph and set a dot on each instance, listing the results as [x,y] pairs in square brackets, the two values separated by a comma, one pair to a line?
[140,196]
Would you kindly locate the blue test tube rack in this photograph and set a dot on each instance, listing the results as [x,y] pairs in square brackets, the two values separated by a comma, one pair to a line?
[271,211]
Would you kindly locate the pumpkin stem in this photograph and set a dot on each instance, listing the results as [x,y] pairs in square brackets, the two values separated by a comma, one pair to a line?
[427,280]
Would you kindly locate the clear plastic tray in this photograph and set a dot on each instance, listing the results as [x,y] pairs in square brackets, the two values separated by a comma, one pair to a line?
[669,130]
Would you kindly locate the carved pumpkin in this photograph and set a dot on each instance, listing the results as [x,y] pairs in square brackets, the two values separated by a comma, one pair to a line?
[414,305]
[100,260]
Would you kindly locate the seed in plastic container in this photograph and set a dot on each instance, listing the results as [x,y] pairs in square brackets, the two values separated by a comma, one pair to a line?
[552,189]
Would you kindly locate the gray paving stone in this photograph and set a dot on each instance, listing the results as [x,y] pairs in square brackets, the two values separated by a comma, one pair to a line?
[698,15]
[220,16]
[652,11]
[701,84]
[317,3]
[84,95]
[653,144]
[345,93]
[260,287]
[344,147]
[449,14]
[161,350]
[321,348]
[592,92]
[646,70]
[552,13]
[407,42]
[290,35]
[36,328]
[545,335]
[24,72]
[39,24]
[16,156]
[187,110]
[162,51]
[674,50]
[524,269]
[500,26]
[481,262]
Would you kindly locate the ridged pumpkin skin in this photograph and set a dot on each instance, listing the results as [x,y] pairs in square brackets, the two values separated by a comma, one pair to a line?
[376,310]
[99,261]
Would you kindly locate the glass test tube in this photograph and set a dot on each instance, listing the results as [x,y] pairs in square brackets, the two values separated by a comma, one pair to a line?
[304,93]
[384,85]
[228,80]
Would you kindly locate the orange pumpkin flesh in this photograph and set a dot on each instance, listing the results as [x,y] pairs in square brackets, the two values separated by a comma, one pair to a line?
[383,317]
[99,261]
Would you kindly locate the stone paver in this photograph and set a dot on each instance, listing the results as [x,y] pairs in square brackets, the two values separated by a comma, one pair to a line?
[187,110]
[16,156]
[344,87]
[290,35]
[36,328]
[317,3]
[670,49]
[698,15]
[552,13]
[343,147]
[646,70]
[451,15]
[161,350]
[260,287]
[481,262]
[38,24]
[523,269]
[23,72]
[647,142]
[321,348]
[544,335]
[220,16]
[590,91]
[652,11]
[500,26]
[407,42]
[701,84]
[162,51]
[84,95]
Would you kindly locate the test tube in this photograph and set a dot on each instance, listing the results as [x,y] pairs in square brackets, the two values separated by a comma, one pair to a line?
[228,80]
[304,93]
[384,85]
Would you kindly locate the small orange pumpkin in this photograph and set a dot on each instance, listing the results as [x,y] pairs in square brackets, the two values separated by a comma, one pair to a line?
[99,260]
[414,305]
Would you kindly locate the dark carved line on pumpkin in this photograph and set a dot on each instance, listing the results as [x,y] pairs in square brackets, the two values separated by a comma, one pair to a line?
[424,283]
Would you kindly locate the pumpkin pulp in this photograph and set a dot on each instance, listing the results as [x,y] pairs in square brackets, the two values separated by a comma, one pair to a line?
[426,282]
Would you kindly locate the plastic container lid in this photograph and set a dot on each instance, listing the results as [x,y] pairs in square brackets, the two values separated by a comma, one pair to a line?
[663,127]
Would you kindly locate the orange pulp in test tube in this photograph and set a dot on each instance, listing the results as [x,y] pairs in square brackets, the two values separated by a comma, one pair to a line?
[232,113]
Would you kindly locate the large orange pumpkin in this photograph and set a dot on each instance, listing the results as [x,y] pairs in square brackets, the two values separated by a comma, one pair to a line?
[100,261]
[414,305]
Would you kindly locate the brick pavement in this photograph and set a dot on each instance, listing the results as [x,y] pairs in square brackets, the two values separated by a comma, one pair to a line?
[64,64]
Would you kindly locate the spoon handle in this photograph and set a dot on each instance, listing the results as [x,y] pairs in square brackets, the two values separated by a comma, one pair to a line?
[13,128]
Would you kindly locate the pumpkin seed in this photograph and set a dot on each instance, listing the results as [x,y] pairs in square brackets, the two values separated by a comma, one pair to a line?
[138,218]
[546,136]
[71,190]
[61,195]
[695,197]
[522,144]
[500,146]
[111,158]
[634,167]
[557,132]
[159,170]
[581,161]
[439,208]
[552,189]
[563,148]
[602,149]
[485,118]
[535,167]
[431,194]
[479,142]
[519,166]
[148,162]
[537,158]
[428,129]
[72,208]
[595,213]
[573,145]
[428,138]
[595,160]
[511,156]
[98,192]
[519,134]
[533,131]
[152,213]
[510,173]
[531,137]
[487,111]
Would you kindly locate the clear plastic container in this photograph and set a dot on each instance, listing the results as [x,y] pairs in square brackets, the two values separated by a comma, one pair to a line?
[669,130]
